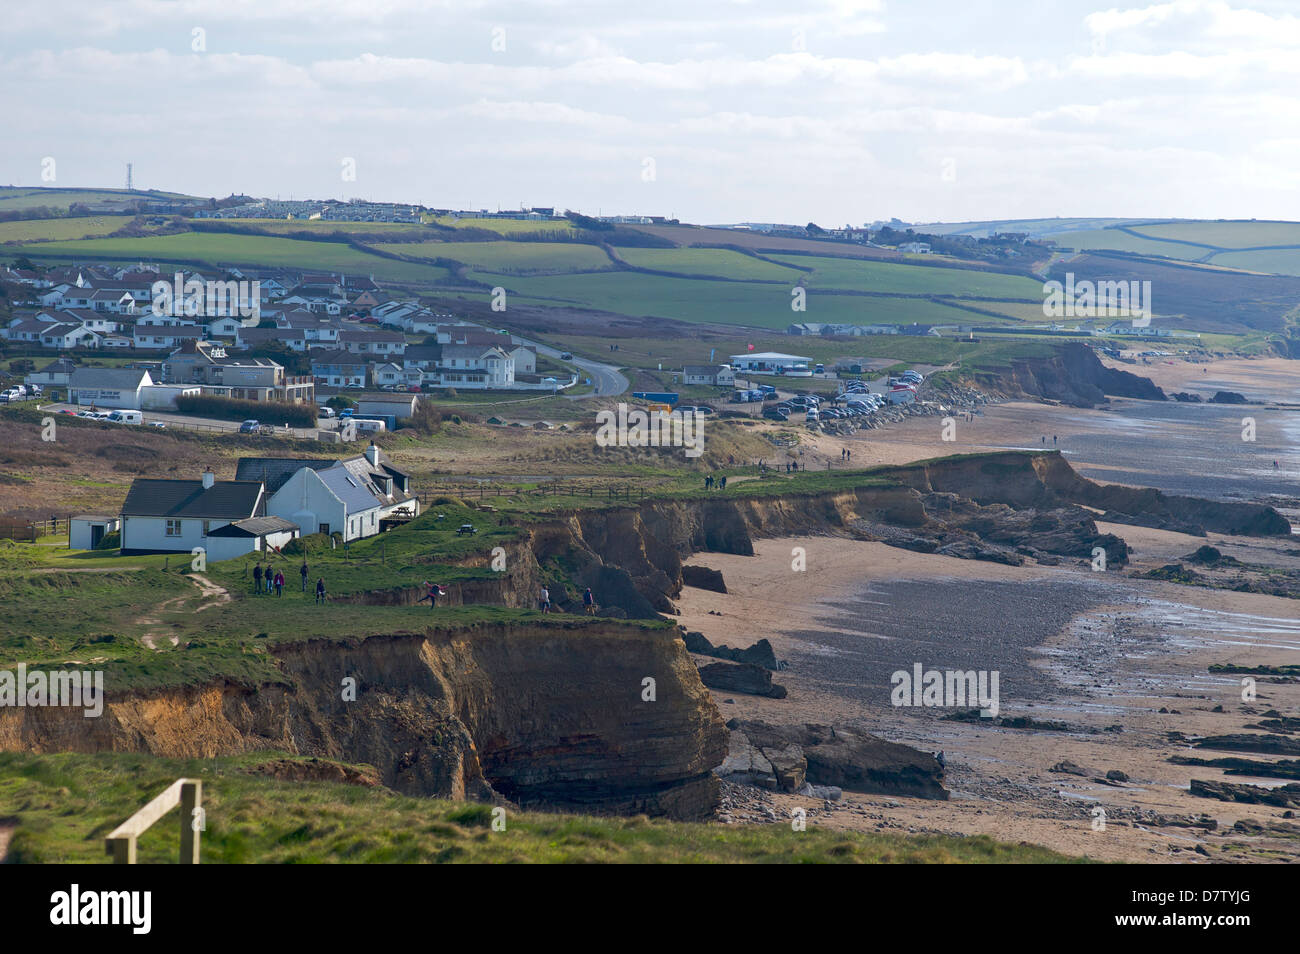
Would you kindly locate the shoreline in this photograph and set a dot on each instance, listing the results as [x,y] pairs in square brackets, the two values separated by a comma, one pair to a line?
[1134,647]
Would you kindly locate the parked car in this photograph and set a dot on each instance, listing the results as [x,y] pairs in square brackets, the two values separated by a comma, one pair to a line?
[158,424]
[325,411]
[250,427]
[775,414]
[566,357]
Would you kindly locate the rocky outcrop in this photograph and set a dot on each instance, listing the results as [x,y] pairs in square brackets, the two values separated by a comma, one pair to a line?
[538,714]
[759,654]
[741,677]
[703,578]
[790,757]
[1072,375]
[1282,796]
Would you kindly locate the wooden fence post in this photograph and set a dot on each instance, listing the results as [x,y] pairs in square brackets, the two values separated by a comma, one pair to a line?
[192,820]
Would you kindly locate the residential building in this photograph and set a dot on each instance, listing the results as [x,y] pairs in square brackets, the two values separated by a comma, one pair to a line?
[338,368]
[178,516]
[711,375]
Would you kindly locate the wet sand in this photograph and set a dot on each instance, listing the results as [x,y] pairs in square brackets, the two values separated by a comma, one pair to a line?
[1091,650]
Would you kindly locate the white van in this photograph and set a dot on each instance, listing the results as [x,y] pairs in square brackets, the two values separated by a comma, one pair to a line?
[366,425]
[126,417]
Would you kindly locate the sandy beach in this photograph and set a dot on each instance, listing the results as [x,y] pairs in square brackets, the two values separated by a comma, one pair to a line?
[1095,651]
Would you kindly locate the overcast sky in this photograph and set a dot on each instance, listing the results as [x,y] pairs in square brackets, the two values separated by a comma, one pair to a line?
[710,110]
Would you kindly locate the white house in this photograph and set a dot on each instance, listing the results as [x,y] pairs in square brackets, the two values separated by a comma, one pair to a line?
[180,516]
[108,387]
[351,497]
[713,375]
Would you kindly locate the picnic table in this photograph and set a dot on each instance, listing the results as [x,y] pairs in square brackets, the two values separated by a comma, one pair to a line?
[466,528]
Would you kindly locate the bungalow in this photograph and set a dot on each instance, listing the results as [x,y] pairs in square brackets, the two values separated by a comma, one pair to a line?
[56,374]
[351,497]
[69,334]
[182,516]
[94,320]
[28,329]
[339,369]
[87,531]
[385,343]
[260,337]
[711,375]
[108,387]
[168,336]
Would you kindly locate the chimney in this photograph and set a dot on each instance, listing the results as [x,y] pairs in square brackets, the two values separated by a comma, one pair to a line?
[209,478]
[372,454]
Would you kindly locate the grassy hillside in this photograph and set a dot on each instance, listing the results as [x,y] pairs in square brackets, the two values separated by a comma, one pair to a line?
[509,257]
[64,805]
[13,198]
[37,230]
[218,248]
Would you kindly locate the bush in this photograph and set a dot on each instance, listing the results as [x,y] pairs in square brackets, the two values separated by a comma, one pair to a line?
[110,541]
[235,409]
[304,546]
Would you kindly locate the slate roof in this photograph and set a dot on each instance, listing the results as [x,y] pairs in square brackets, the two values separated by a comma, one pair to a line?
[254,527]
[114,379]
[276,471]
[224,500]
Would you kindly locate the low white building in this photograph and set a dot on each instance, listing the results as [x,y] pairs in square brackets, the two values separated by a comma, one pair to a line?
[86,531]
[770,362]
[181,516]
[108,387]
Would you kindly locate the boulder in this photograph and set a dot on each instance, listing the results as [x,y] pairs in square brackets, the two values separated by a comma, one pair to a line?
[745,764]
[788,765]
[703,578]
[741,677]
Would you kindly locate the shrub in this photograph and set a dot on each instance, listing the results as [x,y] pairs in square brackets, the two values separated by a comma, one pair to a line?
[110,541]
[235,409]
[302,546]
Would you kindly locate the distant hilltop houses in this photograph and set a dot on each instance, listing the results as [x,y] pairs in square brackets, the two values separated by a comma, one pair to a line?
[345,330]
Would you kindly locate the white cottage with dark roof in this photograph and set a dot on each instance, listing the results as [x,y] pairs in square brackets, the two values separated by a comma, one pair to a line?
[226,518]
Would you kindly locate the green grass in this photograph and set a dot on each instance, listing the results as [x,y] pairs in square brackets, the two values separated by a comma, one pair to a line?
[510,257]
[13,198]
[62,807]
[227,248]
[506,226]
[716,262]
[1276,261]
[1125,242]
[310,225]
[714,302]
[32,230]
[862,275]
[1226,234]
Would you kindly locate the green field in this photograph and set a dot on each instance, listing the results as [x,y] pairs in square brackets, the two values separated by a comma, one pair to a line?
[506,226]
[702,300]
[35,230]
[219,248]
[718,262]
[13,198]
[510,257]
[1226,234]
[1124,242]
[858,275]
[1282,261]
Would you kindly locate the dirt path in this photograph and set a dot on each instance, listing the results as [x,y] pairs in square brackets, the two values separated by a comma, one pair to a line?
[211,593]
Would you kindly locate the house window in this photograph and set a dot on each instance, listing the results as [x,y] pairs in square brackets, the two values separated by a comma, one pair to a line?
[173,528]
[325,529]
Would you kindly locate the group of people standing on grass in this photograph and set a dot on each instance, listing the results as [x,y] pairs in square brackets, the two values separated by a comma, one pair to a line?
[588,601]
[272,580]
[720,482]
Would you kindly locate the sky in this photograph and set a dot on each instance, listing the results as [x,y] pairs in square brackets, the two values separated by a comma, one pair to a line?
[712,111]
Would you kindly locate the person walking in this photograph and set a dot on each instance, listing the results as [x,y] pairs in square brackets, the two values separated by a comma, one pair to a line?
[279,583]
[257,579]
[320,589]
[589,602]
[303,570]
[269,577]
[545,600]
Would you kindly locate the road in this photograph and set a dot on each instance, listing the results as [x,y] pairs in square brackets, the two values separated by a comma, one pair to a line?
[606,378]
[189,422]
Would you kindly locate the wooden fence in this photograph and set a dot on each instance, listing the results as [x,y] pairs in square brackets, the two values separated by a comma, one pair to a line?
[185,792]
